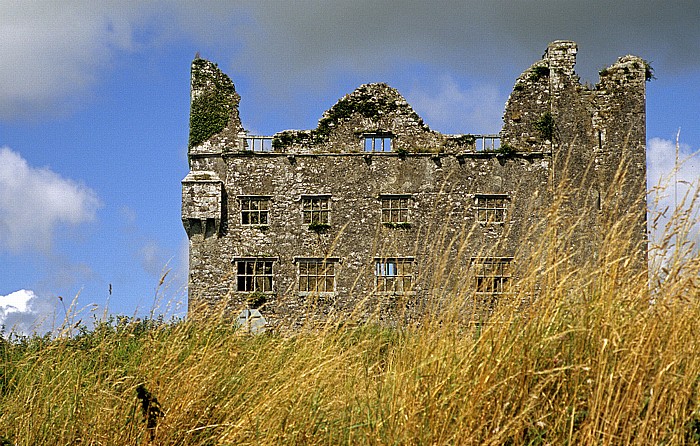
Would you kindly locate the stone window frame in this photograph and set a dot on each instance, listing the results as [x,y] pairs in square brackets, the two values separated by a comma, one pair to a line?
[492,275]
[377,142]
[255,274]
[394,275]
[323,270]
[491,209]
[315,213]
[258,216]
[395,208]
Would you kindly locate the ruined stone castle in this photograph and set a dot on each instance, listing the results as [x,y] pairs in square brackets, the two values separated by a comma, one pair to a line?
[373,212]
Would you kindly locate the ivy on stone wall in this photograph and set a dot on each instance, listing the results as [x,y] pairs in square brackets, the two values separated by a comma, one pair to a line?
[211,110]
[368,101]
[545,126]
[466,141]
[539,72]
[648,71]
[363,101]
[290,137]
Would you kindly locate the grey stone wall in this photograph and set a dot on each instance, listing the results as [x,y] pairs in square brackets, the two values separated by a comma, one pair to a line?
[557,135]
[597,140]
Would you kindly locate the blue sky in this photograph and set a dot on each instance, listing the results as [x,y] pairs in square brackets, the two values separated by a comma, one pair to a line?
[94,103]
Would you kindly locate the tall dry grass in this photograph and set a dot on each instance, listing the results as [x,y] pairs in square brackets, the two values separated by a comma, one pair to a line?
[603,355]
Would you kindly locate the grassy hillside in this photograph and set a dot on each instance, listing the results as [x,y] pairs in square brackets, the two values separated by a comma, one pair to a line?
[604,355]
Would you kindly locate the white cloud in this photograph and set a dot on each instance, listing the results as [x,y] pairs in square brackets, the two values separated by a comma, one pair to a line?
[15,302]
[171,269]
[53,50]
[452,109]
[671,192]
[24,312]
[663,174]
[35,201]
[153,258]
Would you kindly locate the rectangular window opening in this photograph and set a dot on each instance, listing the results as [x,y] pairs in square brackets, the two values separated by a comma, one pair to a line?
[254,275]
[316,275]
[394,208]
[315,209]
[377,142]
[258,143]
[255,210]
[394,275]
[492,275]
[491,209]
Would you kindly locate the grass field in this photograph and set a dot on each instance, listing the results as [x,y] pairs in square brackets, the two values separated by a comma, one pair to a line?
[604,355]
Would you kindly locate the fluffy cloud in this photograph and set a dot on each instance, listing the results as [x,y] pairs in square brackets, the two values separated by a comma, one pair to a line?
[452,109]
[34,201]
[664,177]
[672,187]
[24,312]
[54,51]
[51,50]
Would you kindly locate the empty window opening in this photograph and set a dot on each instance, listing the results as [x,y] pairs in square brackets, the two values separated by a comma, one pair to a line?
[487,143]
[254,275]
[394,208]
[394,275]
[258,143]
[315,209]
[255,210]
[377,142]
[491,209]
[492,275]
[316,275]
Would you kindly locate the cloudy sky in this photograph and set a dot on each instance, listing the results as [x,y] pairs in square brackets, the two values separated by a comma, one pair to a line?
[94,102]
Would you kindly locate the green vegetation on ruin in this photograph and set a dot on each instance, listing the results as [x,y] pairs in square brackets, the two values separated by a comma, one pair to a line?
[210,111]
[538,72]
[545,126]
[364,102]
